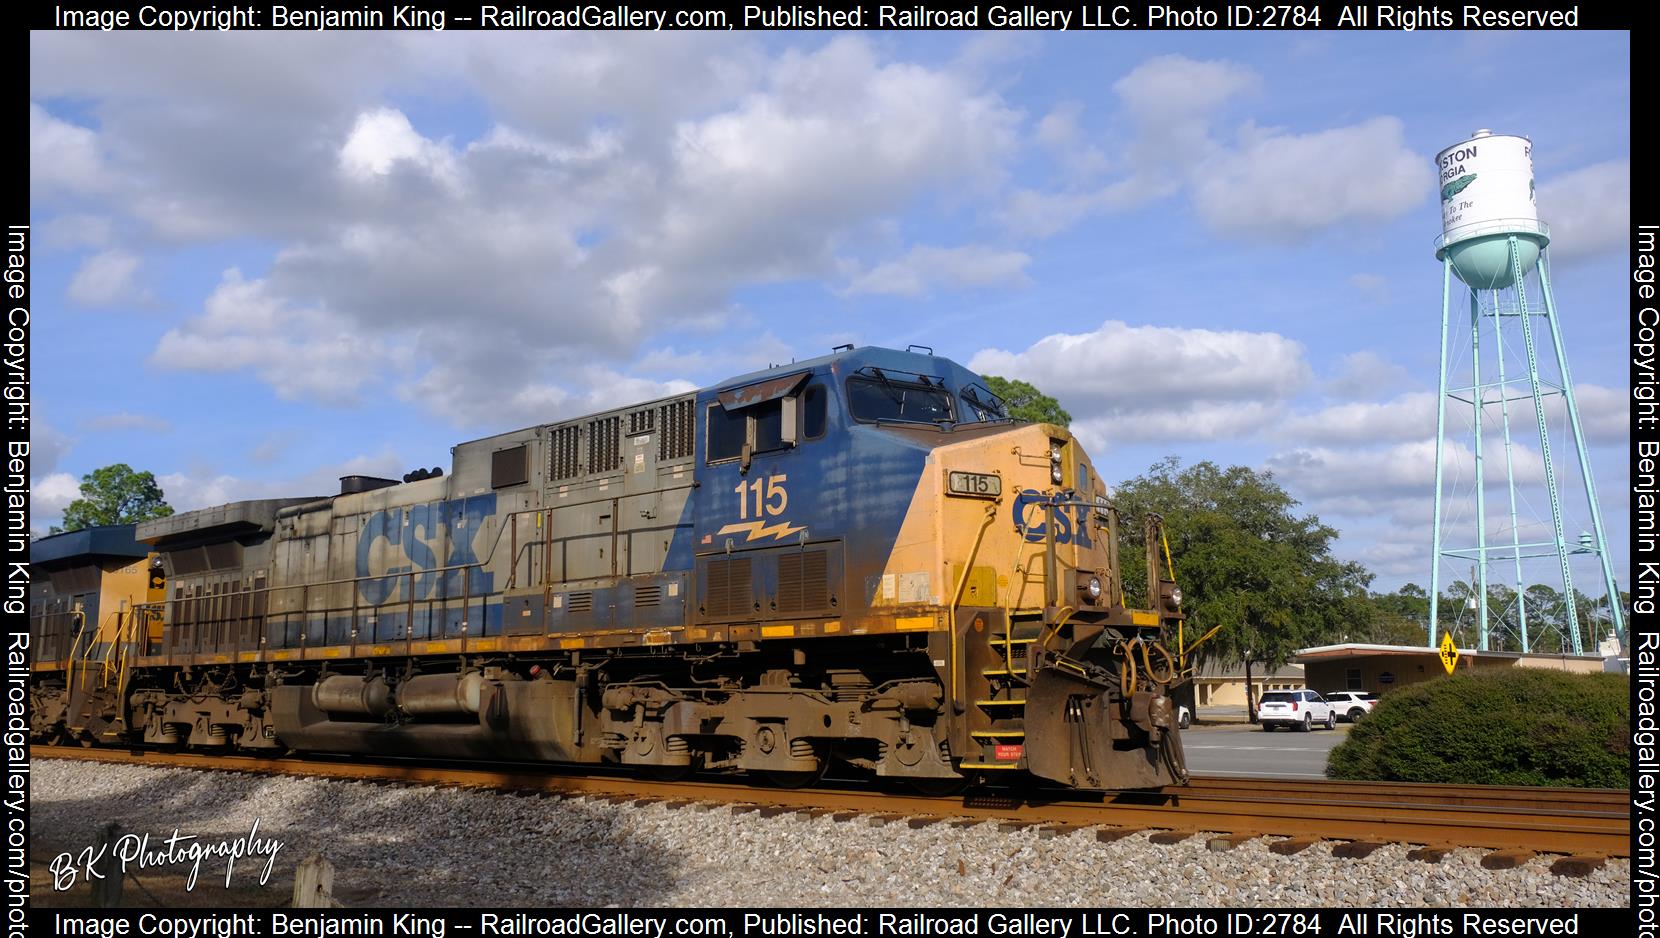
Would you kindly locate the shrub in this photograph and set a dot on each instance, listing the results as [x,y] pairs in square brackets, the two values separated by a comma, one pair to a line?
[1516,726]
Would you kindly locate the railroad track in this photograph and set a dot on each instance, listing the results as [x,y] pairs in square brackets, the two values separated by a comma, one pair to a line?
[1586,825]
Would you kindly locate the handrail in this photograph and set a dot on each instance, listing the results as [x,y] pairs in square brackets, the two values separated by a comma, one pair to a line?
[957,599]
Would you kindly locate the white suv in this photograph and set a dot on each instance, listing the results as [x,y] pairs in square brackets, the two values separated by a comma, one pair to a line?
[1295,708]
[1352,704]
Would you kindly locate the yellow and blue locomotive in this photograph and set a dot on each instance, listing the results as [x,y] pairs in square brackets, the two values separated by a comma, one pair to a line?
[857,559]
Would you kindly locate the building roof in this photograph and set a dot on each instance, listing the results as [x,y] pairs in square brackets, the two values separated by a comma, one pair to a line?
[1358,650]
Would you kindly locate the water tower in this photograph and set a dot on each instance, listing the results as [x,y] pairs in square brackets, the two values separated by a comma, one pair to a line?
[1493,243]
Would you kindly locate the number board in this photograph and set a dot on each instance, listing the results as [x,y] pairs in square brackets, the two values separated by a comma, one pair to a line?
[974,485]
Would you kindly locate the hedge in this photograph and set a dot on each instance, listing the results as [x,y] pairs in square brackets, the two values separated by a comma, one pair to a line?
[1516,726]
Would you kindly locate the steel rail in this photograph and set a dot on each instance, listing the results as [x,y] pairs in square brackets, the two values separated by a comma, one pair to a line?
[1589,822]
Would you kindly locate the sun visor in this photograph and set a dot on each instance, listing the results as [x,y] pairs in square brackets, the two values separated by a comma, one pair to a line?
[762,391]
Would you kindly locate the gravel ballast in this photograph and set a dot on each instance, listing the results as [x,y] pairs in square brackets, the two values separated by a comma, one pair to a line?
[418,846]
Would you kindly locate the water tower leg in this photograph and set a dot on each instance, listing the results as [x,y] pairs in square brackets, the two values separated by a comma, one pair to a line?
[1616,611]
[1571,612]
[1478,397]
[1440,446]
[1509,467]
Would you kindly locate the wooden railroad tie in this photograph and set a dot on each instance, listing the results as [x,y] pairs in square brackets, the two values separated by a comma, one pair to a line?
[1506,859]
[1108,835]
[1578,866]
[1356,849]
[1226,842]
[1429,854]
[918,823]
[1051,831]
[1292,845]
[1169,837]
[842,817]
[774,810]
[880,820]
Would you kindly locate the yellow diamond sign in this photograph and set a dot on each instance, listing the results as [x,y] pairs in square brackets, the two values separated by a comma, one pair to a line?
[1449,653]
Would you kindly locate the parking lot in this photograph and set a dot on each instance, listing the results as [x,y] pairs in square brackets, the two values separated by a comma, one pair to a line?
[1243,749]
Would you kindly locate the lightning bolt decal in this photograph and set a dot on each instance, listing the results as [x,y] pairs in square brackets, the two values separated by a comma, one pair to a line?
[760,530]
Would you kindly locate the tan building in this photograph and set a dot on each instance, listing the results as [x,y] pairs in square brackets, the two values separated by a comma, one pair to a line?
[1379,668]
[1216,685]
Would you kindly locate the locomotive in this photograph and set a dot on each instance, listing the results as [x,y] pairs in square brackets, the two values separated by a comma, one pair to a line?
[856,560]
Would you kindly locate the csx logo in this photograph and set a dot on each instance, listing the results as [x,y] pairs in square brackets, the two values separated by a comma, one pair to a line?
[1033,520]
[416,530]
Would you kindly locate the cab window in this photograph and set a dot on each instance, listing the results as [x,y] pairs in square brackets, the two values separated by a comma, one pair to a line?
[726,433]
[813,408]
[886,399]
[764,424]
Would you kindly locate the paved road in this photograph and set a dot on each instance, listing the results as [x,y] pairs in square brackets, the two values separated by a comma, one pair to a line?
[1241,749]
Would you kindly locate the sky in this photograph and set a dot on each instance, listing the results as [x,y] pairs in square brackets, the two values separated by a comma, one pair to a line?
[266,260]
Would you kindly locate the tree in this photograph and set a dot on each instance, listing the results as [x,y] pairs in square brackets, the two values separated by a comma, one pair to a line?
[1025,402]
[115,494]
[1245,560]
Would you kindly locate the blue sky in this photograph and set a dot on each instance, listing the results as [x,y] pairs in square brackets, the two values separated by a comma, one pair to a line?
[266,260]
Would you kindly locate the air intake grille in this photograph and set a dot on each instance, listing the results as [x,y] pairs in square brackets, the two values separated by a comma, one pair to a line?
[646,596]
[640,421]
[675,442]
[565,461]
[604,444]
[580,602]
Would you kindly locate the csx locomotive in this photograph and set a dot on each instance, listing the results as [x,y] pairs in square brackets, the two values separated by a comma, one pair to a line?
[857,559]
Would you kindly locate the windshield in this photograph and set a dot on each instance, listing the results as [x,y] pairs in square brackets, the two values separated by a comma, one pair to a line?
[886,399]
[983,404]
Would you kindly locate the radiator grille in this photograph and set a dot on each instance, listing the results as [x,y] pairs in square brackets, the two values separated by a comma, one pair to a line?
[646,596]
[580,602]
[727,588]
[802,581]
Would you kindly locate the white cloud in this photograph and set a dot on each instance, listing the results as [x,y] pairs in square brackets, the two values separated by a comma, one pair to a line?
[1171,102]
[383,138]
[48,497]
[1164,383]
[924,268]
[574,228]
[206,488]
[1407,417]
[1366,375]
[105,279]
[1588,210]
[1285,187]
[62,155]
[300,352]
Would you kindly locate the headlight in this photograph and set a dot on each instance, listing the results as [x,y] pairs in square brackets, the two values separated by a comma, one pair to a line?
[1090,589]
[1176,596]
[1054,451]
[1055,474]
[1093,588]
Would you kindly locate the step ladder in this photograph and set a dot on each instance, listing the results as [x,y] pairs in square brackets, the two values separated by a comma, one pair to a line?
[997,722]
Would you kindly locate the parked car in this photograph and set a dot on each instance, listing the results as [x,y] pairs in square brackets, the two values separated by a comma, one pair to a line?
[1184,717]
[1352,704]
[1300,709]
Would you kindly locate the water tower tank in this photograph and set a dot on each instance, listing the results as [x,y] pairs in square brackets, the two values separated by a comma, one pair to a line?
[1487,196]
